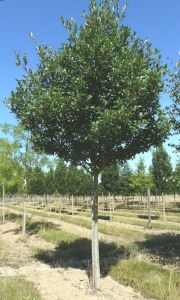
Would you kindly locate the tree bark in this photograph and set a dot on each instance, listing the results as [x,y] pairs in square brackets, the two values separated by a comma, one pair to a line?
[95,239]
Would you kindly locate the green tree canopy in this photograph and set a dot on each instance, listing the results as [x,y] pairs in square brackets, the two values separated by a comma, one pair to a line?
[78,182]
[110,179]
[141,181]
[175,95]
[8,162]
[26,157]
[25,154]
[176,179]
[36,182]
[101,91]
[125,180]
[60,177]
[161,170]
[85,183]
[50,185]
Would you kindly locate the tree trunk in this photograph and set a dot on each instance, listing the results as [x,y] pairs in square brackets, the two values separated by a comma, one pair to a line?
[95,240]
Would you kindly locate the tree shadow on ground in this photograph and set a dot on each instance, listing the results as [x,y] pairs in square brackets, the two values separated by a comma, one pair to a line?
[106,218]
[14,231]
[35,226]
[77,254]
[13,217]
[146,217]
[69,213]
[164,248]
[32,227]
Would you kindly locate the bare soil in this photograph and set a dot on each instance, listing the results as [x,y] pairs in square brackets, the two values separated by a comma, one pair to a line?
[55,283]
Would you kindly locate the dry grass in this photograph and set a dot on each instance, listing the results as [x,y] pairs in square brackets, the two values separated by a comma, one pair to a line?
[17,288]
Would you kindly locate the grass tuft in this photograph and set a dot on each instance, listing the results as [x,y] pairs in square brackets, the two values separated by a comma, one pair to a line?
[17,288]
[148,278]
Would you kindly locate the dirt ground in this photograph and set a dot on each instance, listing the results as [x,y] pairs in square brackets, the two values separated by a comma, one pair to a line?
[55,283]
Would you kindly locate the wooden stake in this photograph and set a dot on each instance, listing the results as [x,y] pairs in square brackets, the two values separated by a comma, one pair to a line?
[60,205]
[3,201]
[24,216]
[149,208]
[164,207]
[110,211]
[24,209]
[72,198]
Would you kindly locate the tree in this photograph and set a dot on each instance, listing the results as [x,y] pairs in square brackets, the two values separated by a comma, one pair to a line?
[73,180]
[8,166]
[86,183]
[161,170]
[49,182]
[95,101]
[176,179]
[60,178]
[125,179]
[110,179]
[36,182]
[28,159]
[175,95]
[141,181]
[78,182]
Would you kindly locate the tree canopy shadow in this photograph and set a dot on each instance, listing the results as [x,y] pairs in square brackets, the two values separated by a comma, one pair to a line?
[77,254]
[164,247]
[32,227]
[153,217]
[35,226]
[13,231]
[101,217]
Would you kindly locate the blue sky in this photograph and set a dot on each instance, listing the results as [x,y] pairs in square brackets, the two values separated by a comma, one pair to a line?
[157,20]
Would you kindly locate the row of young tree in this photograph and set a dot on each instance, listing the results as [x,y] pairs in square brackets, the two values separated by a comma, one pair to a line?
[47,176]
[160,178]
[64,180]
[19,163]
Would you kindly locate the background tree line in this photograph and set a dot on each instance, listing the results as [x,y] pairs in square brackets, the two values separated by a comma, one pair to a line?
[47,175]
[160,178]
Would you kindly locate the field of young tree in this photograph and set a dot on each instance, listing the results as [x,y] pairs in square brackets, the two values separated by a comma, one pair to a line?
[44,200]
[135,251]
[76,220]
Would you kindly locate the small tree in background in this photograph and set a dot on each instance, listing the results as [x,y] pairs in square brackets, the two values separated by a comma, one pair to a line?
[73,180]
[125,180]
[85,183]
[175,95]
[141,181]
[110,179]
[28,159]
[36,182]
[50,182]
[60,178]
[176,179]
[94,102]
[78,182]
[8,166]
[161,170]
